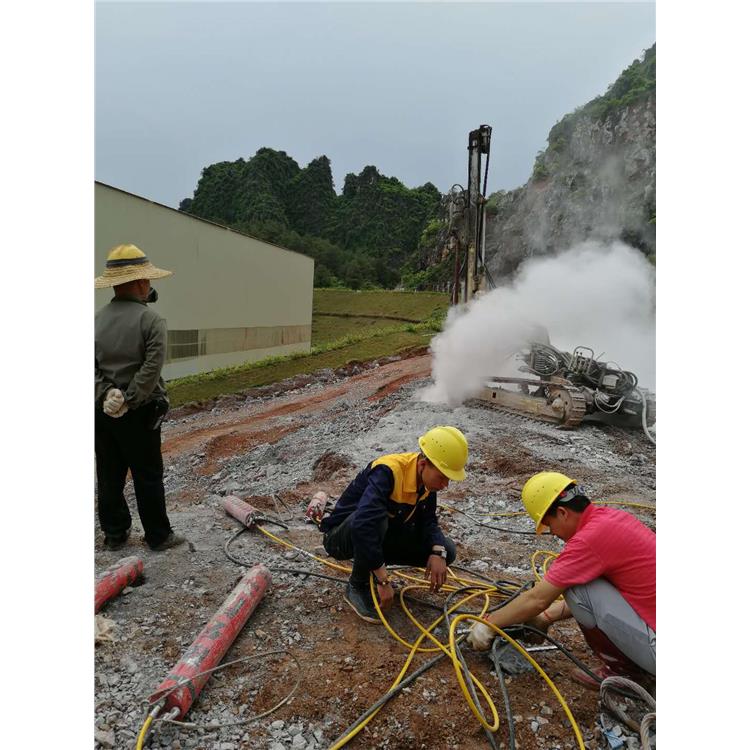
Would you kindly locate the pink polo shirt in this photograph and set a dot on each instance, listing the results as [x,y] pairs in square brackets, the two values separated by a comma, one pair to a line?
[614,545]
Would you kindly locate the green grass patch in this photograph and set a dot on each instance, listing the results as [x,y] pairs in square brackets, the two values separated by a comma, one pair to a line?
[350,349]
[326,328]
[361,333]
[416,306]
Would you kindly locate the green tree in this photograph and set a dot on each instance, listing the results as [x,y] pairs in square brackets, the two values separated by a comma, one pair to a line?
[363,237]
[311,199]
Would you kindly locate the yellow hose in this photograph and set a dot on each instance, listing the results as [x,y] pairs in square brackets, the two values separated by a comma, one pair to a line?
[550,556]
[309,554]
[144,731]
[526,655]
[485,590]
[414,647]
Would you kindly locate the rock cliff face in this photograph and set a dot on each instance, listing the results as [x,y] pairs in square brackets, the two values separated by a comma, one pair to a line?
[596,180]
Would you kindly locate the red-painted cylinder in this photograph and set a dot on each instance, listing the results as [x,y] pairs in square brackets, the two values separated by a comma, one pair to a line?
[110,582]
[212,643]
[239,509]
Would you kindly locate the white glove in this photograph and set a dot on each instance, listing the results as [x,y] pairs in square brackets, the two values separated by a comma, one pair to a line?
[114,403]
[120,411]
[480,636]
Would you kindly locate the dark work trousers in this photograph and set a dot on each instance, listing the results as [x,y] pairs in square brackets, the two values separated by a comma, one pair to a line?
[402,545]
[128,443]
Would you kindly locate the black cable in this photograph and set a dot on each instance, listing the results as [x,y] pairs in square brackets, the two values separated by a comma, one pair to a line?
[249,563]
[490,526]
[305,573]
[500,672]
[390,694]
[569,655]
[526,586]
[471,572]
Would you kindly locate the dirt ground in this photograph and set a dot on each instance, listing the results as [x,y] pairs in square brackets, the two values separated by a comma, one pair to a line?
[275,446]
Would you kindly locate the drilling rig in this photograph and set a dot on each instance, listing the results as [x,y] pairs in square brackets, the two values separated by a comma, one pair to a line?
[466,222]
[563,387]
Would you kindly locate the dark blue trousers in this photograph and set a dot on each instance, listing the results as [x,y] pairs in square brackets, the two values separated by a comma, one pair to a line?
[402,545]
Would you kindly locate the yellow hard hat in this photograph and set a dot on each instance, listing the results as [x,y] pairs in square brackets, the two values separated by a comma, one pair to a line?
[447,450]
[540,492]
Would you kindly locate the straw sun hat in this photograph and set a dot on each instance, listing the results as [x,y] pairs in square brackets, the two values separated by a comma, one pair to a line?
[128,263]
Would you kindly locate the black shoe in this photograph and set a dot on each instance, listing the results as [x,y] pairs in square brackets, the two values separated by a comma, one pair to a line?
[173,540]
[360,601]
[113,543]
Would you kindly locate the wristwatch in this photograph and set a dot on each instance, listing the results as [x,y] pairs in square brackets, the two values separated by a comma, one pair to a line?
[440,551]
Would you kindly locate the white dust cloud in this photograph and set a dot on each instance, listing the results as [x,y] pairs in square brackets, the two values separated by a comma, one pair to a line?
[594,295]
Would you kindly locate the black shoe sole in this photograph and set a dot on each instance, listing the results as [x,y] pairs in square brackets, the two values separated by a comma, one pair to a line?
[366,618]
[115,547]
[164,547]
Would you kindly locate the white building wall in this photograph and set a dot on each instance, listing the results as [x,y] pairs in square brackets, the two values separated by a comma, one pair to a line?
[232,298]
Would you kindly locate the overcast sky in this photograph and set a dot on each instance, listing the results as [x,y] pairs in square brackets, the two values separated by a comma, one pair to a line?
[182,85]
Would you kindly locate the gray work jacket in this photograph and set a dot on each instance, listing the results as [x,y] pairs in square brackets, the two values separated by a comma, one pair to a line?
[130,350]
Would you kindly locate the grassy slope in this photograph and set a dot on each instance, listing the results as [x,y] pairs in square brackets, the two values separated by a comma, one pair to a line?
[336,340]
[416,306]
[326,328]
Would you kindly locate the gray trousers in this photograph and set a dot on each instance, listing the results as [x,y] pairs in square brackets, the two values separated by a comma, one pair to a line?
[599,604]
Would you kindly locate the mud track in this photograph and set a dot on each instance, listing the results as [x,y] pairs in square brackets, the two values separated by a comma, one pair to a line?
[259,424]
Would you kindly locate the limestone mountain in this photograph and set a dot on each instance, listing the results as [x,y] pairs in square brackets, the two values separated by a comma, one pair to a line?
[595,180]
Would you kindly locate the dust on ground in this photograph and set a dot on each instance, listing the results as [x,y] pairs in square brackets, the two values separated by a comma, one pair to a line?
[275,446]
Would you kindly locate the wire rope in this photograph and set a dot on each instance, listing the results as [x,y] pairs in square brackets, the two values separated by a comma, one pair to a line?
[241,722]
[618,683]
[158,707]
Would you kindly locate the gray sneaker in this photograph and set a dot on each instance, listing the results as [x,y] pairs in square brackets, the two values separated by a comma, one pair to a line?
[360,601]
[173,540]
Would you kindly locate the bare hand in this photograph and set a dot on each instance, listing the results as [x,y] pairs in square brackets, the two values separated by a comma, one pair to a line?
[435,570]
[540,623]
[385,595]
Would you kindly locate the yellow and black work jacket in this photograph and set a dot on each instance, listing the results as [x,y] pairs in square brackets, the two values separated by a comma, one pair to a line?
[388,489]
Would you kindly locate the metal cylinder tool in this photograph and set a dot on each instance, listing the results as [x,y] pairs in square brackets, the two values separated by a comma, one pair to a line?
[212,643]
[110,582]
[237,508]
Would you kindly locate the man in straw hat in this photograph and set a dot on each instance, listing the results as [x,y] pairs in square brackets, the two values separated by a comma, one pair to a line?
[131,401]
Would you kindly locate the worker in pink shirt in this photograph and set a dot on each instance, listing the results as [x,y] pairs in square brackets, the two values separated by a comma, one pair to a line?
[606,576]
